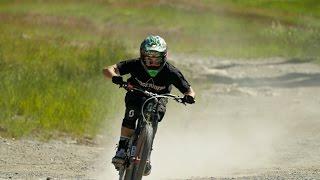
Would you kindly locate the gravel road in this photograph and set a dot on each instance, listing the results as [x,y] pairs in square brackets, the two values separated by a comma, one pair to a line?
[254,119]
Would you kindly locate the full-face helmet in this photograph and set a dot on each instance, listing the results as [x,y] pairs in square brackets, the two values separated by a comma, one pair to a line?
[153,54]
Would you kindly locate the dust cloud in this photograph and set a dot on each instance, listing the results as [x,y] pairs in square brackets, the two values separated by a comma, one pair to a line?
[212,139]
[254,118]
[216,139]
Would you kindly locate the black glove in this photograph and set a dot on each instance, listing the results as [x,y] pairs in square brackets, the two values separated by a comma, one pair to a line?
[188,99]
[117,80]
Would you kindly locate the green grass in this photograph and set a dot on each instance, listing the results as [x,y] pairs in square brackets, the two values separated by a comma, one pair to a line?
[245,29]
[52,52]
[49,84]
[231,28]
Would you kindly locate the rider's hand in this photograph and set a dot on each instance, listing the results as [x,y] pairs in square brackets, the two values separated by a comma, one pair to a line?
[129,87]
[188,99]
[117,80]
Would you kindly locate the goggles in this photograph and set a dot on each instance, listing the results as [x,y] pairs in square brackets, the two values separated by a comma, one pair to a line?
[153,59]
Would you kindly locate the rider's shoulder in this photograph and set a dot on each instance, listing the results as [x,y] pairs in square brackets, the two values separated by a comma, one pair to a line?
[172,68]
[129,62]
[132,60]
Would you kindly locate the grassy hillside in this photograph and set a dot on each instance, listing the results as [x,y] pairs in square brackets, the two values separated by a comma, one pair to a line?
[52,52]
[228,28]
[51,85]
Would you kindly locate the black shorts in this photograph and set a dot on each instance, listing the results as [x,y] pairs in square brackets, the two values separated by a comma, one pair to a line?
[133,110]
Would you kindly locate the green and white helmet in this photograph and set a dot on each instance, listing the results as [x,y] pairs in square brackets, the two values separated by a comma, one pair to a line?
[153,54]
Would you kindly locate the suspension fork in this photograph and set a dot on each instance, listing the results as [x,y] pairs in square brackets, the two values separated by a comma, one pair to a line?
[135,143]
[152,119]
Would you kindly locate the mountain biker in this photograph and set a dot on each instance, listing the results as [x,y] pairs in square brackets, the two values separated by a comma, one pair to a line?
[151,72]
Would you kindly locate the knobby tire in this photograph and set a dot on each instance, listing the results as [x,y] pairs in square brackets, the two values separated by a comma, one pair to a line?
[146,137]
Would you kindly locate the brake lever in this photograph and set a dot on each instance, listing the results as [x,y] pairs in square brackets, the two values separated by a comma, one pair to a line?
[179,100]
[126,86]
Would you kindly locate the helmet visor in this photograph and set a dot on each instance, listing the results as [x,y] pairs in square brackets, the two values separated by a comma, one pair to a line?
[153,60]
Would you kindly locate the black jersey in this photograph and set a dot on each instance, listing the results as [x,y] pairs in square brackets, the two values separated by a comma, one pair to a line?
[160,84]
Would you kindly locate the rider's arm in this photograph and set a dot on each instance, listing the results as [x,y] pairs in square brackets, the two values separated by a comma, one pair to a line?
[190,92]
[181,83]
[121,68]
[111,71]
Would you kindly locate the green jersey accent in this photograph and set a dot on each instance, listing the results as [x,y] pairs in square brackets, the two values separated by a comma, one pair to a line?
[153,73]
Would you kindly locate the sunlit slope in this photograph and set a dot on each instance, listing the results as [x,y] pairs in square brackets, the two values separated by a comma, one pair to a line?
[221,28]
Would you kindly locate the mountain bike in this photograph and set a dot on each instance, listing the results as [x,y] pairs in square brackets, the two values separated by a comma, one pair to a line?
[140,144]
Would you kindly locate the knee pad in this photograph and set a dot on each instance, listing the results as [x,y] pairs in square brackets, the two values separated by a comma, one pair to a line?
[130,118]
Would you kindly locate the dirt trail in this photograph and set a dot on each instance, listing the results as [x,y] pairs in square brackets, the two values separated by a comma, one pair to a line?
[253,119]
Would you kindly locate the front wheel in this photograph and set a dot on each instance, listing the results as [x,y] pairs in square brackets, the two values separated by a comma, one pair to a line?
[146,138]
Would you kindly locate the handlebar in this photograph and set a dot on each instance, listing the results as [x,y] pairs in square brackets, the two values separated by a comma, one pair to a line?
[131,88]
